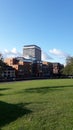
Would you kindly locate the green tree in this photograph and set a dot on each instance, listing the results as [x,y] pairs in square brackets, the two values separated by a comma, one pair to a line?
[68,69]
[2,65]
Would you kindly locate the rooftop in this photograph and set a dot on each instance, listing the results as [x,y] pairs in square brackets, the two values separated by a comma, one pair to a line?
[32,46]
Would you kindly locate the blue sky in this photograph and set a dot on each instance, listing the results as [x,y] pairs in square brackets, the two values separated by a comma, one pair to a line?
[46,23]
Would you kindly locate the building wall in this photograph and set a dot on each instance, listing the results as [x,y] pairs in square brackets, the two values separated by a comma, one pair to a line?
[32,51]
[57,67]
[23,69]
[8,73]
[47,69]
[11,61]
[34,69]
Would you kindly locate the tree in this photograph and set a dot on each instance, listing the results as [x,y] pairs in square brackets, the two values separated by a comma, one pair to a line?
[2,65]
[1,56]
[68,69]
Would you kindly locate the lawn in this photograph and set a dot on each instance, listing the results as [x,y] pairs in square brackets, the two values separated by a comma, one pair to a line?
[37,105]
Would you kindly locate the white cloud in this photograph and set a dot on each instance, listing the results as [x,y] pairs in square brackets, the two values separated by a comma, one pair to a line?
[58,53]
[14,51]
[11,53]
[45,56]
[6,51]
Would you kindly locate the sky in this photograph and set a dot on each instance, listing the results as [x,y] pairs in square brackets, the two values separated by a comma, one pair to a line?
[45,23]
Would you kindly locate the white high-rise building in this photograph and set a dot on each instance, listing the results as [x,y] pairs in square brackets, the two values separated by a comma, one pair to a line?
[32,52]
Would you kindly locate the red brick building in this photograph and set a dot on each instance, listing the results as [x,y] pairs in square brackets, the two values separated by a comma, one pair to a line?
[22,66]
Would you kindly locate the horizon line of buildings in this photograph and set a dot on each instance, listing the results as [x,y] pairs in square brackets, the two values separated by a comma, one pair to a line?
[30,65]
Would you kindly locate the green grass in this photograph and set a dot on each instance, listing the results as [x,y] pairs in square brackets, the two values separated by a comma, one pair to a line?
[37,105]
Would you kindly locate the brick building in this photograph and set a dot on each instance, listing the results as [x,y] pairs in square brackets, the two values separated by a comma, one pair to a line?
[8,73]
[21,65]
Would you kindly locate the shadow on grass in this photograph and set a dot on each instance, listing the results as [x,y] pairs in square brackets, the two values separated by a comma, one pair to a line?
[1,94]
[45,89]
[11,112]
[2,89]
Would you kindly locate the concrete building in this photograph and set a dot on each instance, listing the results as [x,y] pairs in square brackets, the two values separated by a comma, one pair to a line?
[32,52]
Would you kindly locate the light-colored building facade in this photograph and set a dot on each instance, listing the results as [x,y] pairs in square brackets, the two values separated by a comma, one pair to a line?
[32,52]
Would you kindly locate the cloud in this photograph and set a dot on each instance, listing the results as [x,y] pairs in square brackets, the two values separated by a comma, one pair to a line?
[59,53]
[11,53]
[45,56]
[14,51]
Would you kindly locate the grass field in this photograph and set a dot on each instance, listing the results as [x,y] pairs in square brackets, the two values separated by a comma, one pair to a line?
[37,105]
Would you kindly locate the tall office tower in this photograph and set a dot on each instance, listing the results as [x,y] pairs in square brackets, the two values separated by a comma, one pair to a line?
[32,52]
